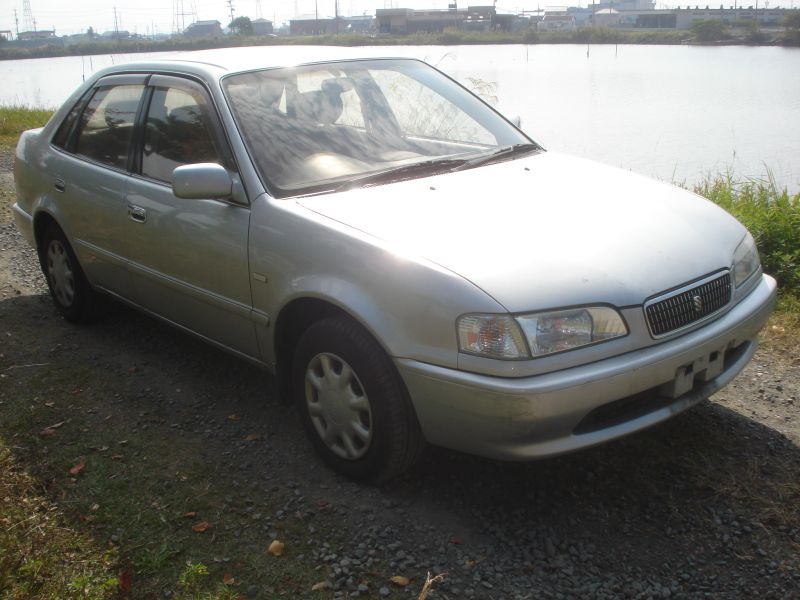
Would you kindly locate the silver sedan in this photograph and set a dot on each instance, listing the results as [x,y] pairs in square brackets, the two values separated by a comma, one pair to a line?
[409,264]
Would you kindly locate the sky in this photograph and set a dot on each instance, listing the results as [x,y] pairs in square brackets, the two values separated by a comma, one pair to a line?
[159,16]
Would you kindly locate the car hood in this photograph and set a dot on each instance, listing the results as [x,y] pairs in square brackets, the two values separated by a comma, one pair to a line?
[547,231]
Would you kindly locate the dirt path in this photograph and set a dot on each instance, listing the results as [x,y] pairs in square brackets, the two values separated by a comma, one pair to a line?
[707,505]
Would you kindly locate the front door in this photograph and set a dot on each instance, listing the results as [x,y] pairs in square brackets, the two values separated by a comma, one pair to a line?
[188,258]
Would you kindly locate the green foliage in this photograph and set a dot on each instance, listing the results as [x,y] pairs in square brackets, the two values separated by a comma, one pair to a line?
[242,26]
[711,30]
[192,578]
[771,215]
[792,19]
[16,119]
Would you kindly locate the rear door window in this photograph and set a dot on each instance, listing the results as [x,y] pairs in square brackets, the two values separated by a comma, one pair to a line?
[106,126]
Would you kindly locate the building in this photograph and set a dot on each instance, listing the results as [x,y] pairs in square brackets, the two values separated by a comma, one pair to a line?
[404,21]
[678,18]
[327,26]
[262,27]
[42,34]
[765,17]
[557,19]
[204,29]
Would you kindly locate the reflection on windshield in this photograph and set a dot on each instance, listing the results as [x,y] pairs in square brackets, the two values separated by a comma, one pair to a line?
[316,128]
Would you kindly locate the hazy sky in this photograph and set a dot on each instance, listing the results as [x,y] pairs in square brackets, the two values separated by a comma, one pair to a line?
[159,16]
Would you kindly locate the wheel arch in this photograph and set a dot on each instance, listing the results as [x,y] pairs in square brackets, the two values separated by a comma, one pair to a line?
[293,320]
[42,220]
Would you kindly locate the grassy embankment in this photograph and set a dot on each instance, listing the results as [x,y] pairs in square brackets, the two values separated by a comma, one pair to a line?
[452,37]
[55,551]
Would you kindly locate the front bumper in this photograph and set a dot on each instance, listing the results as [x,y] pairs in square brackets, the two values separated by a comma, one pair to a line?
[562,411]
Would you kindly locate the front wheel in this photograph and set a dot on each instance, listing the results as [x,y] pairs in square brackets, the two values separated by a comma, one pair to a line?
[352,402]
[71,292]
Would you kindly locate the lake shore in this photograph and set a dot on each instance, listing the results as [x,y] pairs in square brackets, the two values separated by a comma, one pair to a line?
[587,35]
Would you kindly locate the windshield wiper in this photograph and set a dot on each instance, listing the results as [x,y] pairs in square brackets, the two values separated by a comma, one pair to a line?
[402,172]
[504,153]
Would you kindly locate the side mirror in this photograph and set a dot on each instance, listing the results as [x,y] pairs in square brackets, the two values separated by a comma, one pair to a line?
[202,180]
[516,121]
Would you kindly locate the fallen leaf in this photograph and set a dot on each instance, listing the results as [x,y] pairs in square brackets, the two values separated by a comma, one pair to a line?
[47,432]
[201,526]
[117,456]
[456,541]
[228,579]
[321,586]
[253,437]
[275,548]
[57,425]
[49,404]
[76,470]
[125,582]
[190,514]
[100,448]
[400,581]
[94,507]
[234,417]
[132,370]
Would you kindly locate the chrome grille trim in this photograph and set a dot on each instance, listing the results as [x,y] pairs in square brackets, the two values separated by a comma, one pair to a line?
[691,304]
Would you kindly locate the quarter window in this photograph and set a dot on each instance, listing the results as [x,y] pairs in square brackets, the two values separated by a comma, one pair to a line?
[178,132]
[106,126]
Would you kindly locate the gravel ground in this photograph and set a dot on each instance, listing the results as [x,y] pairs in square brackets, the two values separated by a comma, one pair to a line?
[704,506]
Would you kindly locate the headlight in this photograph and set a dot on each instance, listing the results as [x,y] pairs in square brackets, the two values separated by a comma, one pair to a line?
[503,336]
[560,330]
[494,336]
[745,260]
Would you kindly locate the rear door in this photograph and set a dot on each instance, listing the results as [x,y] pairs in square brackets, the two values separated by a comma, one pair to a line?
[90,175]
[188,258]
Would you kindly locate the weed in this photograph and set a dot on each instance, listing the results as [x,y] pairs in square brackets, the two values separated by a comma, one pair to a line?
[773,217]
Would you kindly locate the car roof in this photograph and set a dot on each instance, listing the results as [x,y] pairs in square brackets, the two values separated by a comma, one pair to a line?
[213,64]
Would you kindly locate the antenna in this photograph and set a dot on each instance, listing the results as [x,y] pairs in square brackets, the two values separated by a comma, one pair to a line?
[28,22]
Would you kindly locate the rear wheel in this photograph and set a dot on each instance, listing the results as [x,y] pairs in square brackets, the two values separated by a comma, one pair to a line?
[71,292]
[352,402]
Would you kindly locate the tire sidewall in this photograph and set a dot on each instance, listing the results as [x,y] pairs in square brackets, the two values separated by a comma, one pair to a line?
[379,381]
[74,312]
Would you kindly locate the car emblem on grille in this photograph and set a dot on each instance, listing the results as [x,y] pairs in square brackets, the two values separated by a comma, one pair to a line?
[698,304]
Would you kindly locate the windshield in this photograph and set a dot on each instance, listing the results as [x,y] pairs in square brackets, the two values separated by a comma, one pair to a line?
[321,127]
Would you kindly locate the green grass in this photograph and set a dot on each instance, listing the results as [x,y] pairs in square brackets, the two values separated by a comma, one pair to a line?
[773,217]
[16,119]
[40,556]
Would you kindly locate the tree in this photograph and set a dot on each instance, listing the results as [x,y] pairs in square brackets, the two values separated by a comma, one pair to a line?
[90,32]
[792,19]
[241,26]
[710,30]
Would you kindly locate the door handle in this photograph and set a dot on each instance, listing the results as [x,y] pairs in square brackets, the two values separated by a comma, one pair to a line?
[60,185]
[137,213]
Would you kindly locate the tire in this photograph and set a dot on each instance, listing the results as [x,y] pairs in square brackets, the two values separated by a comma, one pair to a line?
[69,289]
[353,403]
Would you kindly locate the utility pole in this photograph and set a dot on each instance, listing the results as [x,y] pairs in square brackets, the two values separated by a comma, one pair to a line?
[230,6]
[16,22]
[116,24]
[336,14]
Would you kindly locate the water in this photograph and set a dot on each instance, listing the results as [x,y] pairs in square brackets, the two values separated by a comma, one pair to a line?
[677,113]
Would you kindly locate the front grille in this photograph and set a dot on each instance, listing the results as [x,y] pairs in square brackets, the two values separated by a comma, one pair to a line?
[686,306]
